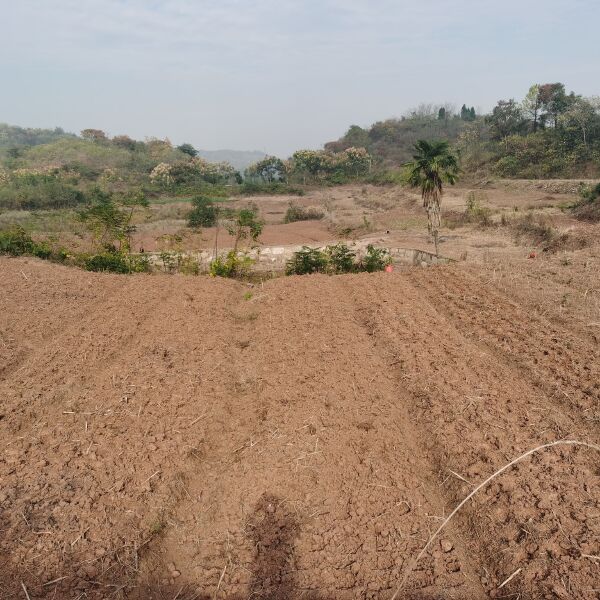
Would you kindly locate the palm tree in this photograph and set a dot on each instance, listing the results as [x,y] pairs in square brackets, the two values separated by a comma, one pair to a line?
[433,165]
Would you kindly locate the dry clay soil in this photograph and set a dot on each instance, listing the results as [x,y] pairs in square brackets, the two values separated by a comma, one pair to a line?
[188,438]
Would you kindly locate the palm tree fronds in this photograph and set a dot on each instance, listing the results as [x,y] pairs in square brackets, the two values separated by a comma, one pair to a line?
[434,163]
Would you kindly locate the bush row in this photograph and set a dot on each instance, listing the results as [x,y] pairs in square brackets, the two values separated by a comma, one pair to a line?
[336,260]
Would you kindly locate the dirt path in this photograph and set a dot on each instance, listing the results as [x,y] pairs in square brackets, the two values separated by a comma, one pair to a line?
[182,437]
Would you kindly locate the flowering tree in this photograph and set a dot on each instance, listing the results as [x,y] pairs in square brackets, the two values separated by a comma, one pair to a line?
[318,164]
[308,162]
[355,161]
[192,171]
[161,174]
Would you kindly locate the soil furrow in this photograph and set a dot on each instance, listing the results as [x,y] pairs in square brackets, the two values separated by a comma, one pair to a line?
[475,414]
[195,438]
[566,367]
[334,462]
[109,430]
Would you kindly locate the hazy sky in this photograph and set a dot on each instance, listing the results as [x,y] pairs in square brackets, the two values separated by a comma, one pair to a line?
[278,75]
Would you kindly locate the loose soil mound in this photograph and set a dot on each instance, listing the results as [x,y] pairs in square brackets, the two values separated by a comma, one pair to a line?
[172,437]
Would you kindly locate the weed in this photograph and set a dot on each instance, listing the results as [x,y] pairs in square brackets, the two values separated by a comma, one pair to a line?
[196,453]
[566,261]
[588,208]
[244,318]
[408,223]
[475,212]
[249,188]
[16,242]
[231,264]
[536,228]
[188,265]
[169,261]
[157,525]
[115,262]
[374,204]
[354,230]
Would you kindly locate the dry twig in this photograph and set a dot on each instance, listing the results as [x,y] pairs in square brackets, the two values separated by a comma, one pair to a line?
[413,564]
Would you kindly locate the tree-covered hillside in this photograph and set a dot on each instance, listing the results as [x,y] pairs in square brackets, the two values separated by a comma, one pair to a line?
[391,141]
[548,133]
[65,171]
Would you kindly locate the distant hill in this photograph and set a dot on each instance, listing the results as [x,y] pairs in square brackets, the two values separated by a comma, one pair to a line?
[13,135]
[239,159]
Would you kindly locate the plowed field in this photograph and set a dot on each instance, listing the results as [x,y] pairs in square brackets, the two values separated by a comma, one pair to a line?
[185,438]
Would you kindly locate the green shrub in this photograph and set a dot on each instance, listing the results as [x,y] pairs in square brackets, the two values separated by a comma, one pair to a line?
[116,262]
[86,172]
[336,260]
[204,212]
[508,166]
[306,261]
[16,242]
[338,178]
[385,177]
[230,265]
[592,193]
[109,217]
[296,213]
[33,193]
[341,259]
[139,263]
[376,259]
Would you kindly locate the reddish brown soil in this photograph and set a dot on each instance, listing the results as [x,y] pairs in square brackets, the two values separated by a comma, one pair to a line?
[169,437]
